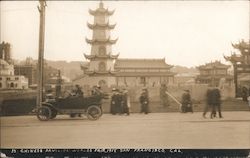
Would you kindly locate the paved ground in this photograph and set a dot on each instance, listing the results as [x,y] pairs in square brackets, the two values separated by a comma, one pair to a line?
[156,130]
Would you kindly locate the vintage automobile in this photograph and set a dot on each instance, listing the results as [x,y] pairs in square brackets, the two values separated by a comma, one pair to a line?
[72,105]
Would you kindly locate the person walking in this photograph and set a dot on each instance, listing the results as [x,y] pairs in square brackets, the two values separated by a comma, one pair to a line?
[216,103]
[186,102]
[144,100]
[125,102]
[208,105]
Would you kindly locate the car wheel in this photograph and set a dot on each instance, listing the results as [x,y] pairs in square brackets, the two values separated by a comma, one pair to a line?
[44,113]
[53,114]
[72,115]
[94,112]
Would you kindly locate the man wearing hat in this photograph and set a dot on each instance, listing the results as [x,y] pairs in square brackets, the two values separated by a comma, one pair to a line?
[144,100]
[186,102]
[115,102]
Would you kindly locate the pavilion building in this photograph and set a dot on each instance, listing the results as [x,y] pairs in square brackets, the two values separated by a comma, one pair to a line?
[213,73]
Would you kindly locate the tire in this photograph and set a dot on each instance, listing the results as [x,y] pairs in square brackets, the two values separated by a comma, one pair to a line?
[73,115]
[44,113]
[53,114]
[94,112]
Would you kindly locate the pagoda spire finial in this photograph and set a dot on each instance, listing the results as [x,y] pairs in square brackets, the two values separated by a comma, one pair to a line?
[101,4]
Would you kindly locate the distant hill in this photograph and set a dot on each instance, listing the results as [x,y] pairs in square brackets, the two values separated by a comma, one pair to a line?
[69,69]
[73,69]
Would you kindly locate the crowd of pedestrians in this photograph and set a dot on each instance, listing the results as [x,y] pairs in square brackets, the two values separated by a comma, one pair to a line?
[120,100]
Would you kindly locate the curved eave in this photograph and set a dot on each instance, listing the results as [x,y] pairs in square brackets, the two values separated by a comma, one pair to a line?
[101,26]
[108,41]
[88,56]
[234,59]
[100,72]
[101,56]
[101,11]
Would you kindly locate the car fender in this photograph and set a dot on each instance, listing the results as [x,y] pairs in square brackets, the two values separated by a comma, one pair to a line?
[49,105]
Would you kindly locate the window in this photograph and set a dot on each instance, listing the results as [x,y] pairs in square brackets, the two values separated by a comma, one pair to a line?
[7,78]
[16,78]
[102,66]
[102,50]
[0,84]
[143,80]
[11,85]
[0,78]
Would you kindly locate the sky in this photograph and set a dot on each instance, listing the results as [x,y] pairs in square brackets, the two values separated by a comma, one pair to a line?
[186,33]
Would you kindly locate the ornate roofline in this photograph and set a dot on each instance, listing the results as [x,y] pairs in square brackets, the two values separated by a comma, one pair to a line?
[211,65]
[140,59]
[101,11]
[96,25]
[110,56]
[100,72]
[105,41]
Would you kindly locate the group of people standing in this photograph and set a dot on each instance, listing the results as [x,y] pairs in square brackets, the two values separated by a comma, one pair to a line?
[120,102]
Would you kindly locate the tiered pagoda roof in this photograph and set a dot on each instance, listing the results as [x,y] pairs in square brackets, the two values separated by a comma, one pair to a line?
[101,26]
[101,10]
[104,56]
[97,72]
[101,41]
[213,65]
[244,48]
[234,58]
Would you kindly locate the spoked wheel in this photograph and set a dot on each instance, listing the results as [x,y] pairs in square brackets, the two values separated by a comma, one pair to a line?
[44,113]
[53,114]
[94,112]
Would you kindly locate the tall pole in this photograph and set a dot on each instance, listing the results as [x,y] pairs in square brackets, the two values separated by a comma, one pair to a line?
[41,10]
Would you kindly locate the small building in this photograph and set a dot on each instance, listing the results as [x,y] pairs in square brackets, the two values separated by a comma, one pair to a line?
[29,71]
[7,78]
[213,74]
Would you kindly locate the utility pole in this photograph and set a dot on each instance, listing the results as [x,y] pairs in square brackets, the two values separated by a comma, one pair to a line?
[41,10]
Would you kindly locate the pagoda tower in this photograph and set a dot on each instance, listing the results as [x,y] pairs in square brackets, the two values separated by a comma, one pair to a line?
[101,59]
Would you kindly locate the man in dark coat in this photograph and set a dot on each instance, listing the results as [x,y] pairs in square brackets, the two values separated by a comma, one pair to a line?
[115,102]
[208,105]
[215,102]
[144,100]
[244,94]
[186,102]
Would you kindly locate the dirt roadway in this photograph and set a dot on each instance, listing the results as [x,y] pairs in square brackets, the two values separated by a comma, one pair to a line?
[156,130]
